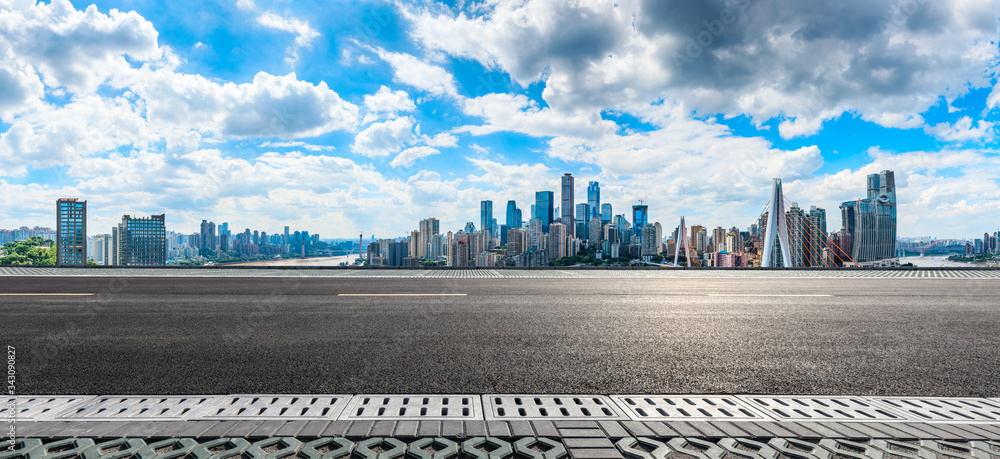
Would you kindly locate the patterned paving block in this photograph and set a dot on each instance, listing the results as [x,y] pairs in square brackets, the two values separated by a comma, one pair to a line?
[414,407]
[952,410]
[696,408]
[40,407]
[807,408]
[590,407]
[135,408]
[274,407]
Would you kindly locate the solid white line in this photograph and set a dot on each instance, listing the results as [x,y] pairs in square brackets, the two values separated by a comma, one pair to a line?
[47,294]
[753,295]
[402,294]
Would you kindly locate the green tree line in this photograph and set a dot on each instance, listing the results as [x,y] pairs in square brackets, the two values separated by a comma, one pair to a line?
[34,251]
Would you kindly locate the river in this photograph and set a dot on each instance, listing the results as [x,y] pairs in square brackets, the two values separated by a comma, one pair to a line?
[311,261]
[934,261]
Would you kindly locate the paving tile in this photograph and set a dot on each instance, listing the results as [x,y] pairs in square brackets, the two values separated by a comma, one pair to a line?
[498,429]
[981,432]
[313,429]
[168,428]
[673,429]
[340,428]
[844,430]
[219,429]
[104,429]
[243,428]
[603,442]
[593,433]
[929,432]
[752,429]
[30,429]
[64,429]
[820,428]
[994,428]
[429,429]
[776,428]
[387,428]
[613,429]
[266,429]
[707,430]
[545,429]
[798,430]
[637,429]
[952,430]
[576,424]
[135,429]
[452,429]
[290,429]
[404,429]
[904,432]
[887,428]
[359,429]
[197,429]
[728,428]
[475,428]
[595,453]
[521,429]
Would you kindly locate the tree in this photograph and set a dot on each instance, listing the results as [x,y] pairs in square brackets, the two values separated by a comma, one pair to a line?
[33,251]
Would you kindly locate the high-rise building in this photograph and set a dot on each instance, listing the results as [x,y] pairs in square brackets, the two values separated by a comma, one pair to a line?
[659,237]
[486,216]
[871,221]
[71,231]
[140,241]
[513,215]
[818,238]
[102,249]
[648,244]
[594,201]
[719,239]
[207,235]
[557,241]
[594,232]
[428,228]
[567,203]
[605,213]
[640,216]
[797,235]
[544,208]
[580,224]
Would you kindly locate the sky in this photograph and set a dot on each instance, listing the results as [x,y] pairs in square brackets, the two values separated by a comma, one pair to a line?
[363,117]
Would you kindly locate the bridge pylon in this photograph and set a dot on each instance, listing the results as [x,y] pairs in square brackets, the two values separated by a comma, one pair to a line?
[777,228]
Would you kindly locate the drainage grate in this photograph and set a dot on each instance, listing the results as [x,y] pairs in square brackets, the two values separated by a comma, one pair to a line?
[36,408]
[413,407]
[274,407]
[136,408]
[822,408]
[945,409]
[702,408]
[499,407]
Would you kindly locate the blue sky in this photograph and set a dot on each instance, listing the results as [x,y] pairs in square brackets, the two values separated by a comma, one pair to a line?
[365,117]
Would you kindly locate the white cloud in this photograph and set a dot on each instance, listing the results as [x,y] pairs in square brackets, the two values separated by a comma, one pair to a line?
[297,144]
[270,106]
[245,4]
[21,89]
[963,131]
[441,140]
[517,113]
[383,139]
[387,102]
[406,157]
[304,34]
[78,50]
[412,71]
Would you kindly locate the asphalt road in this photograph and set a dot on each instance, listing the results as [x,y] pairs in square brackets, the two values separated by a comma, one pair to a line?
[916,337]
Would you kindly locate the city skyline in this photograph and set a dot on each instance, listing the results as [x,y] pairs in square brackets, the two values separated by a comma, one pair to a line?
[396,111]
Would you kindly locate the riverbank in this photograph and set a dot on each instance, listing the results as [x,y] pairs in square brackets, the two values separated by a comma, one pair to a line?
[311,261]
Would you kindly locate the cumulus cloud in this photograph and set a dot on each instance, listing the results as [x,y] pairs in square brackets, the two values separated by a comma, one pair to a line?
[413,72]
[406,157]
[963,131]
[802,63]
[269,106]
[387,102]
[304,34]
[76,50]
[384,139]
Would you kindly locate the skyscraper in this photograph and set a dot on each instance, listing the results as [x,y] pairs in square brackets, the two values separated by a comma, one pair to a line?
[566,204]
[605,213]
[486,217]
[71,231]
[582,211]
[594,200]
[207,240]
[818,238]
[140,241]
[428,228]
[640,218]
[513,215]
[871,221]
[543,208]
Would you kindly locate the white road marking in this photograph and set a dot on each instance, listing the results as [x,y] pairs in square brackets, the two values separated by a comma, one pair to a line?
[402,294]
[761,295]
[47,294]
